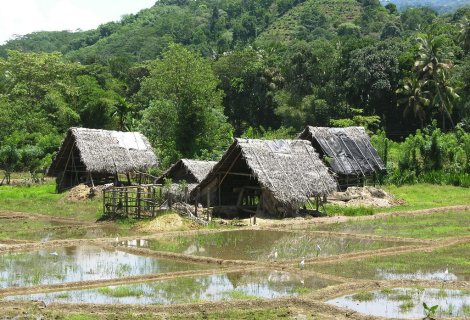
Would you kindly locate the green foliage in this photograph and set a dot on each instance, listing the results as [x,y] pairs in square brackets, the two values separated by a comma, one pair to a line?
[194,74]
[180,95]
[429,156]
[429,311]
[363,296]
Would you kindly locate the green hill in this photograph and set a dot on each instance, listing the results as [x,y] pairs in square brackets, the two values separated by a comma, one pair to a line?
[328,13]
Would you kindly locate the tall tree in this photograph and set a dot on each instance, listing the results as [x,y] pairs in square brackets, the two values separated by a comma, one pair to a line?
[181,93]
[415,98]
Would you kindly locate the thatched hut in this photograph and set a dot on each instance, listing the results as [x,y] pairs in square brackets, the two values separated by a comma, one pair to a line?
[97,156]
[271,177]
[347,151]
[186,173]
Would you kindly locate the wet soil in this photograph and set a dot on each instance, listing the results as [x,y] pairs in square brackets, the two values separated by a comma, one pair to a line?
[309,302]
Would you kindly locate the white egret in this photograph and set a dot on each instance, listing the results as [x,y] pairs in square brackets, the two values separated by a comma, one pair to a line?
[275,254]
[318,249]
[302,263]
[54,254]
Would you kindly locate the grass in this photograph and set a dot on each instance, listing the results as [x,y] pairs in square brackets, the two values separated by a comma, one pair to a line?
[260,314]
[405,306]
[436,225]
[424,196]
[456,257]
[334,210]
[363,296]
[43,199]
[121,292]
[466,309]
[417,196]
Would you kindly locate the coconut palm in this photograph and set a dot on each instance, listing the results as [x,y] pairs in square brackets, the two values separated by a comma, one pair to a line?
[444,97]
[414,98]
[120,111]
[432,57]
[464,35]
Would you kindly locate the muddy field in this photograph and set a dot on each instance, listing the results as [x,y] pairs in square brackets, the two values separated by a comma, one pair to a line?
[172,273]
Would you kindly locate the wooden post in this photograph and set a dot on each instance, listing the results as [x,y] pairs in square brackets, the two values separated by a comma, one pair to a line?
[218,190]
[138,201]
[126,197]
[114,201]
[104,202]
[154,201]
[317,198]
[208,203]
[197,201]
[128,179]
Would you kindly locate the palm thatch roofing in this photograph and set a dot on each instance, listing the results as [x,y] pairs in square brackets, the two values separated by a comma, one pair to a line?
[104,151]
[349,148]
[191,171]
[289,172]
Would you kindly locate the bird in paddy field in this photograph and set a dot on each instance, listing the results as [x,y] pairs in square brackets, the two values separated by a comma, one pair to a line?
[446,273]
[54,254]
[273,254]
[302,263]
[318,249]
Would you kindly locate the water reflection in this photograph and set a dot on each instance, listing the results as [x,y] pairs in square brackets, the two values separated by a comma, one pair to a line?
[79,263]
[247,285]
[407,303]
[265,245]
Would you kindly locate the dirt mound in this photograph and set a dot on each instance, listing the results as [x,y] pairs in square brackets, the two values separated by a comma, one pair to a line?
[364,196]
[166,222]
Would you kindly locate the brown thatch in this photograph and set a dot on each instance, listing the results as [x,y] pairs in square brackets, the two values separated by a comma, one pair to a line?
[190,171]
[85,152]
[349,150]
[288,173]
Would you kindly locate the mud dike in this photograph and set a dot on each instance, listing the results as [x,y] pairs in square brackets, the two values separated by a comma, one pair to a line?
[266,257]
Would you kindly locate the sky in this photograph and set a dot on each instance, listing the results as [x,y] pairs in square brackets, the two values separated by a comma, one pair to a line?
[20,17]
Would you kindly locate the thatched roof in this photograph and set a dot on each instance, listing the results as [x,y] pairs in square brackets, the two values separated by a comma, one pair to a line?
[192,171]
[349,148]
[289,170]
[105,151]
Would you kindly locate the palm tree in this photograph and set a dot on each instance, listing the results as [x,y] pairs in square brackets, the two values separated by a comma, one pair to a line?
[432,65]
[120,110]
[432,57]
[445,96]
[414,98]
[464,35]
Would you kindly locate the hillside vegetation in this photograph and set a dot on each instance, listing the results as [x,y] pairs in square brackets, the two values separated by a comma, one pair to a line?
[192,75]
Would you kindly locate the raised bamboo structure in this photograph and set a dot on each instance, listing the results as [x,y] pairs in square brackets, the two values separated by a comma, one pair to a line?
[141,201]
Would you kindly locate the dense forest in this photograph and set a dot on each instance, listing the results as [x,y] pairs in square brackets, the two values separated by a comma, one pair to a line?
[192,74]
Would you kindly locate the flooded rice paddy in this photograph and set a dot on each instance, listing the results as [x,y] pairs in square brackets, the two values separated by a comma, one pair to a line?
[44,230]
[79,263]
[262,245]
[407,303]
[445,264]
[217,287]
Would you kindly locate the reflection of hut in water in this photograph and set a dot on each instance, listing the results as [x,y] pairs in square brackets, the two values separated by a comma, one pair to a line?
[348,152]
[261,176]
[98,156]
[185,175]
